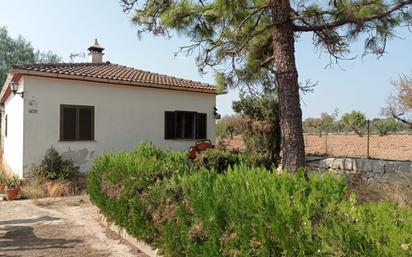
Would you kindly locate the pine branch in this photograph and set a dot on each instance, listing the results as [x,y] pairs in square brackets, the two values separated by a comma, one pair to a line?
[344,21]
[399,118]
[267,61]
[258,9]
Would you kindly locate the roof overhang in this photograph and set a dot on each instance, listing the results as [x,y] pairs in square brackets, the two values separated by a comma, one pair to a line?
[6,90]
[22,72]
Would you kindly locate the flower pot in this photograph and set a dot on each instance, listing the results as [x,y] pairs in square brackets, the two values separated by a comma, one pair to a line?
[11,193]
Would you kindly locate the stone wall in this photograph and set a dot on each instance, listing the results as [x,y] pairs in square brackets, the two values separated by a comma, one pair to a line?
[371,180]
[369,168]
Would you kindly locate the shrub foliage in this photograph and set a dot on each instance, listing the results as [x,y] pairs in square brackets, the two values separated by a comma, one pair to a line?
[220,159]
[187,210]
[54,166]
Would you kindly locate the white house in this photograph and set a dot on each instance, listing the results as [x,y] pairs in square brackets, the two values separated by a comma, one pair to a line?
[86,109]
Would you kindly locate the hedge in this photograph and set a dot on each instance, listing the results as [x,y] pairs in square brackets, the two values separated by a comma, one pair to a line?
[187,210]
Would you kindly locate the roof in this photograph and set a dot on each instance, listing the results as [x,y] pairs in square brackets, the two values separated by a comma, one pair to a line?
[114,74]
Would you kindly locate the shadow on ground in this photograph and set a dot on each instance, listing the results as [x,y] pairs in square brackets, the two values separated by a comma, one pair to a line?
[37,236]
[28,221]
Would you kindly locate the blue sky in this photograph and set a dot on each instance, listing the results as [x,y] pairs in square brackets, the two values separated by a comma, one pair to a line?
[70,26]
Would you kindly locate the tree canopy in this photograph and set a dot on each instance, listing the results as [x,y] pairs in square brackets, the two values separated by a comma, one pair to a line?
[356,121]
[251,42]
[235,37]
[19,50]
[325,123]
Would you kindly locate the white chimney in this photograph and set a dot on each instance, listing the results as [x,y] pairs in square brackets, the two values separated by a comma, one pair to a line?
[96,52]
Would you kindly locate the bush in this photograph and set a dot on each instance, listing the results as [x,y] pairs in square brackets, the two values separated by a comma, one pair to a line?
[53,166]
[220,159]
[187,210]
[123,184]
[260,123]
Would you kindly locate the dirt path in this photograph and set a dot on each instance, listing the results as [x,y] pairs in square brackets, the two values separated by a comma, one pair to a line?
[57,227]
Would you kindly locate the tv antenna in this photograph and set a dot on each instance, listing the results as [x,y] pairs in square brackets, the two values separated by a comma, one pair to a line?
[73,56]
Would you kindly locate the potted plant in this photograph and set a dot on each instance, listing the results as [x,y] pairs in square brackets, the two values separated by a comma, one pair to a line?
[12,188]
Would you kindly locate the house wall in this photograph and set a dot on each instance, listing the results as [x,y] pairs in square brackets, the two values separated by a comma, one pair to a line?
[124,117]
[13,142]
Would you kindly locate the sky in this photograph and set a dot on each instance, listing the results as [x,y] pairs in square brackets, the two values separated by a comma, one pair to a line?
[70,26]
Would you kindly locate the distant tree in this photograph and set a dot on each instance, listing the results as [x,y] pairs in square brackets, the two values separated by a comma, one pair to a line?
[385,126]
[356,121]
[325,123]
[19,50]
[399,104]
[252,42]
[312,125]
[229,125]
[46,57]
[328,120]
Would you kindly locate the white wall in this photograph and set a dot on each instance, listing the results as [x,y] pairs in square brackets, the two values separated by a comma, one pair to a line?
[124,117]
[13,142]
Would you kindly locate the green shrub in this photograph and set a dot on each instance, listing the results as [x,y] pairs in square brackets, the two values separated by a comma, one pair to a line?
[118,183]
[12,182]
[260,124]
[53,166]
[188,210]
[220,159]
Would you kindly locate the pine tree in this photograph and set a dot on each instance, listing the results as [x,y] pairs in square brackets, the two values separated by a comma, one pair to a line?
[252,42]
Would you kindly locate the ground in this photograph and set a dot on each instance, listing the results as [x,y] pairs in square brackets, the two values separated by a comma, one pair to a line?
[389,147]
[61,227]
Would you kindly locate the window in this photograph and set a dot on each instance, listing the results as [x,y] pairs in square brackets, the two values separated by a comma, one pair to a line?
[6,125]
[76,122]
[185,125]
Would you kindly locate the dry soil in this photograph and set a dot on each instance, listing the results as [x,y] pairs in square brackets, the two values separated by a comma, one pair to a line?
[60,227]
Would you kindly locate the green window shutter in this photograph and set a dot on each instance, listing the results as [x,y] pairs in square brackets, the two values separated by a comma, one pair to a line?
[201,131]
[170,125]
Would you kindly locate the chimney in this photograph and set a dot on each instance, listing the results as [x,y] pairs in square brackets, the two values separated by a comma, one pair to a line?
[96,52]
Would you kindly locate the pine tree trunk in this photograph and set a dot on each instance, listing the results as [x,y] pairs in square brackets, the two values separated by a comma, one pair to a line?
[292,144]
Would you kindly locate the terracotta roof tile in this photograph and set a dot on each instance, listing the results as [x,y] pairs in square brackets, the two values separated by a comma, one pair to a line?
[116,72]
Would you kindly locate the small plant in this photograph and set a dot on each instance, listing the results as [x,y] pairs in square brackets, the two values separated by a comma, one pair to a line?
[53,166]
[12,183]
[12,188]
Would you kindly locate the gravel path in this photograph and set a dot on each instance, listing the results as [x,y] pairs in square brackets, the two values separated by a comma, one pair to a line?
[60,227]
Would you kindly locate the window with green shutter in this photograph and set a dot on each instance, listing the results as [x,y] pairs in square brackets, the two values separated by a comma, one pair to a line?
[76,123]
[185,125]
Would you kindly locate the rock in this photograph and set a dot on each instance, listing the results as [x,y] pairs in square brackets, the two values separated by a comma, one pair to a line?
[337,164]
[378,166]
[348,164]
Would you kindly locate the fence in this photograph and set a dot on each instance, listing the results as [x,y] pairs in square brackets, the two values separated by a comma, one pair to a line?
[395,146]
[388,147]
